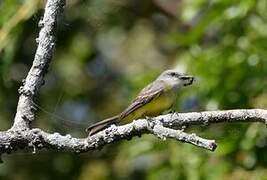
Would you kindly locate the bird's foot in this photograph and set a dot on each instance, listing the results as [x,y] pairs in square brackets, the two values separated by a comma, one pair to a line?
[148,118]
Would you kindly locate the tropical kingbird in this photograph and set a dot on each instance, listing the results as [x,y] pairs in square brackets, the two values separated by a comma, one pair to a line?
[155,98]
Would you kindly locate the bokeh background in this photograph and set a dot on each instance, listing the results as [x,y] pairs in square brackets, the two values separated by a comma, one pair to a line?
[106,51]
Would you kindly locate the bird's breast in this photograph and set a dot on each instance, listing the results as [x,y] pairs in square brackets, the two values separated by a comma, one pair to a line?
[160,104]
[153,108]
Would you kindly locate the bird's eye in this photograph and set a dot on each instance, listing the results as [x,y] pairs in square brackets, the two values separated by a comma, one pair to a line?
[172,74]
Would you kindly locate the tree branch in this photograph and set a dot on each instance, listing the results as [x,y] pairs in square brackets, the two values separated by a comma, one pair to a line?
[208,117]
[35,78]
[159,126]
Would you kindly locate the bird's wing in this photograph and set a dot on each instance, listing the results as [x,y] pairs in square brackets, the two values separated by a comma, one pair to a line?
[149,93]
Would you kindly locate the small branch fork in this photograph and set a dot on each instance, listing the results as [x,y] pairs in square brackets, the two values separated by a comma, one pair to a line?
[21,135]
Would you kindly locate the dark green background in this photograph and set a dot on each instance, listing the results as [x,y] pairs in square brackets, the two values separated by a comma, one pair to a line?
[106,51]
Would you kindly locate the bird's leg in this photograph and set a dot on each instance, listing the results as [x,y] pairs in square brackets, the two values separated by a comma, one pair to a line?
[172,111]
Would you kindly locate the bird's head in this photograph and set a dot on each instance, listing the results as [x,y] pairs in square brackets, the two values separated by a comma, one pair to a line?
[176,77]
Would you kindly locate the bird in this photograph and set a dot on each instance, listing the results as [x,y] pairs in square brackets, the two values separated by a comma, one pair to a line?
[156,98]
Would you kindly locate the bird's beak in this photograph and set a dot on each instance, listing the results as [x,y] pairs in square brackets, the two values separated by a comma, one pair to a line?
[188,80]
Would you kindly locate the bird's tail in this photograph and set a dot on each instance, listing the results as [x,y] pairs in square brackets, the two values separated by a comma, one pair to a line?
[101,125]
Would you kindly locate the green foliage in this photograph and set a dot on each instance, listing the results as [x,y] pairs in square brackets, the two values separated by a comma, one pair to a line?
[107,50]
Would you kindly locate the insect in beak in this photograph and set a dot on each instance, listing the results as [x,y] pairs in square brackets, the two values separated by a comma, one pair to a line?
[188,80]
